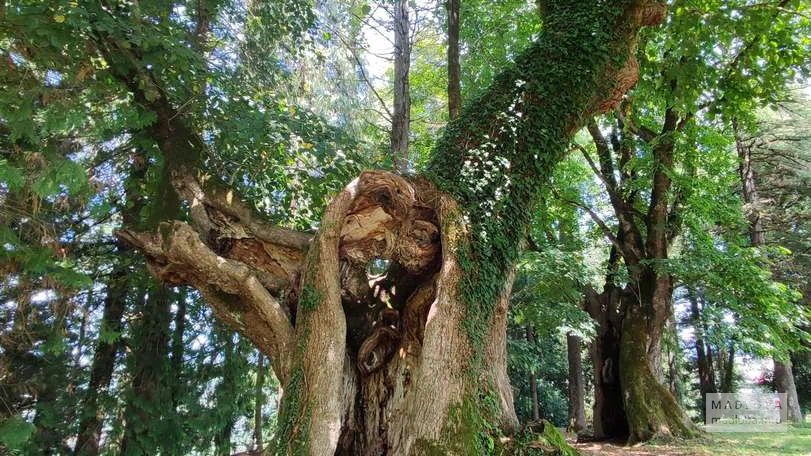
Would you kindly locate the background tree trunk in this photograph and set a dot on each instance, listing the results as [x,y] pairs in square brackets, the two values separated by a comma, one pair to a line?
[401,116]
[706,374]
[259,402]
[226,389]
[49,436]
[728,378]
[784,381]
[454,69]
[101,372]
[149,367]
[533,382]
[577,407]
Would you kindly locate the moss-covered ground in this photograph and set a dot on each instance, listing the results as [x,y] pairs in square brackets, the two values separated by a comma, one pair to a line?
[795,442]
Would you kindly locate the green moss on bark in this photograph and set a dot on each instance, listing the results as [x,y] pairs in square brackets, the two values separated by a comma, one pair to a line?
[470,432]
[650,409]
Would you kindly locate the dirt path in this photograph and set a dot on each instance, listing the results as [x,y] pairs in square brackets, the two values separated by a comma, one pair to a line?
[613,449]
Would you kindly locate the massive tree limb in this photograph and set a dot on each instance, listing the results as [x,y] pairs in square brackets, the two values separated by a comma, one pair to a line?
[177,255]
[435,368]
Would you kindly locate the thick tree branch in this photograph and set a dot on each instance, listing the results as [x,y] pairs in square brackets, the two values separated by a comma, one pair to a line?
[234,291]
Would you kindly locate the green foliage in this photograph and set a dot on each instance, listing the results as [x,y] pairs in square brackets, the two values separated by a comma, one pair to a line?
[14,433]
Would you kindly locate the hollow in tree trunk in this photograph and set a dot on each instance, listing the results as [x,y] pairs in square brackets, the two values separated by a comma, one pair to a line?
[608,411]
[387,329]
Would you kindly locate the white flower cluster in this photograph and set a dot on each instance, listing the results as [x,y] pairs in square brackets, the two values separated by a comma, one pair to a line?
[487,170]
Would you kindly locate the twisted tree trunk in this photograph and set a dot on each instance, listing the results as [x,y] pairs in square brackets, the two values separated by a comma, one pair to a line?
[387,329]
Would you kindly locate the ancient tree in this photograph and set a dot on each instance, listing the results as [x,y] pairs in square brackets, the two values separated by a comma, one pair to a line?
[387,327]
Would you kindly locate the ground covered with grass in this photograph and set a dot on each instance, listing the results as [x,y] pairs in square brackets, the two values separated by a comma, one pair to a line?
[796,442]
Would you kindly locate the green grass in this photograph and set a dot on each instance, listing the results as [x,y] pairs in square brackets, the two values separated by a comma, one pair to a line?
[797,441]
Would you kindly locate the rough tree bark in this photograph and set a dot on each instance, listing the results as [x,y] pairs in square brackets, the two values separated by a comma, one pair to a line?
[783,373]
[577,393]
[608,414]
[410,360]
[401,116]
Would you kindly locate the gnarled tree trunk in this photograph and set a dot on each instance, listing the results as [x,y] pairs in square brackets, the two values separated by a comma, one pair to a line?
[387,329]
[649,407]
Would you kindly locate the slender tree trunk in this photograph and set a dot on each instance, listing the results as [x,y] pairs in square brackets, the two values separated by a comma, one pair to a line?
[259,402]
[728,378]
[227,391]
[178,348]
[454,69]
[80,344]
[401,117]
[706,376]
[101,372]
[783,373]
[533,382]
[50,408]
[577,406]
[150,387]
[673,376]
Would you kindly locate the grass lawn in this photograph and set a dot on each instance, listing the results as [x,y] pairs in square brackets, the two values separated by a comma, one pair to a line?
[795,442]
